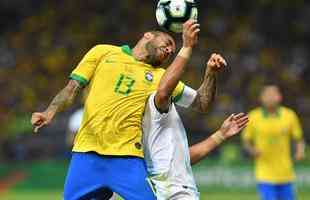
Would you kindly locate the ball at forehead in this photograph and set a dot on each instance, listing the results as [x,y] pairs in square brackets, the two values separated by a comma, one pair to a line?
[171,14]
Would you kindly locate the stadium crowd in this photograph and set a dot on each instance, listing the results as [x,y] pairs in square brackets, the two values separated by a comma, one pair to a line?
[42,41]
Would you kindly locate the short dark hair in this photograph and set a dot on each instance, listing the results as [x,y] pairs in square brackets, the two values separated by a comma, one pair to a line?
[157,33]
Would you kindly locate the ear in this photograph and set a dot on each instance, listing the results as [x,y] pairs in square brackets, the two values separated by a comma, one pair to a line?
[148,35]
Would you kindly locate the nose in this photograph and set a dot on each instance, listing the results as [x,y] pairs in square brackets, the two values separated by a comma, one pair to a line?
[168,50]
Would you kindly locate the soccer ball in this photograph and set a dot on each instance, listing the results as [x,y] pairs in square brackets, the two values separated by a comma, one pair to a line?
[171,14]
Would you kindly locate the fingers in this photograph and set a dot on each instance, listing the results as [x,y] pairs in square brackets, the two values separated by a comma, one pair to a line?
[239,115]
[189,23]
[190,26]
[38,120]
[194,29]
[37,127]
[242,127]
[34,118]
[241,122]
[216,62]
[241,119]
[190,33]
[231,117]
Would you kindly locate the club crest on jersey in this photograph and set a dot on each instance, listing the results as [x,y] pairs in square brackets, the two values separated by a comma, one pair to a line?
[149,76]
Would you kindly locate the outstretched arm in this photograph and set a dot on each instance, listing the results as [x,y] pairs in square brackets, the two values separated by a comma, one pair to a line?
[231,126]
[173,74]
[62,100]
[206,92]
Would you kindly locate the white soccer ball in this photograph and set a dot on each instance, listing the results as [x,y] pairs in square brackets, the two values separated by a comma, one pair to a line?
[171,14]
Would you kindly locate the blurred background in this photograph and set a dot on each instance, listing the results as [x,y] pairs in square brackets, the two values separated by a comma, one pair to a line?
[42,41]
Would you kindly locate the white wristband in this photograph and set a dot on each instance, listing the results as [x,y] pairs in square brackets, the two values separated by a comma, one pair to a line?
[185,52]
[218,137]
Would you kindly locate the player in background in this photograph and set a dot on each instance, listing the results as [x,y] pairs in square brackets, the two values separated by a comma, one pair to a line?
[167,154]
[74,124]
[267,138]
[107,154]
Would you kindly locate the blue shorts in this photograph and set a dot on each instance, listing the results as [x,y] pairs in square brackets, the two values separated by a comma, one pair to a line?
[270,191]
[96,177]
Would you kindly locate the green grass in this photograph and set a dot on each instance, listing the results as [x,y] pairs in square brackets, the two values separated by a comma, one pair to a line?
[44,181]
[55,195]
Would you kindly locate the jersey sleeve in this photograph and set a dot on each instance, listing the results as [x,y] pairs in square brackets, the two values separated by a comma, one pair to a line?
[249,130]
[178,92]
[86,68]
[187,98]
[154,112]
[296,131]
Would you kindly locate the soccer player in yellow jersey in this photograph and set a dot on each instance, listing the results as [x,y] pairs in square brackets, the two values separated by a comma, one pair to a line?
[107,153]
[267,138]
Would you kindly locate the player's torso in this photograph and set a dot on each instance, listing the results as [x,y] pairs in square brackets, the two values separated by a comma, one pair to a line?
[115,103]
[272,131]
[167,151]
[272,139]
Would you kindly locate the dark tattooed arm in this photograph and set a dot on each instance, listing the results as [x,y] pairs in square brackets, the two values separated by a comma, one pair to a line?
[207,90]
[62,100]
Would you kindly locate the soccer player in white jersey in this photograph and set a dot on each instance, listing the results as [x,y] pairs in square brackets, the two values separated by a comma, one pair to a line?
[167,154]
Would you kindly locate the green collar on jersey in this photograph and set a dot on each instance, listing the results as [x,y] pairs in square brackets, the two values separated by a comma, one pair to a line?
[127,50]
[267,114]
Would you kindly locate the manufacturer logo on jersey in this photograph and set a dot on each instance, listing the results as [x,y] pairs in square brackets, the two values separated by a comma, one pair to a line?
[149,76]
[138,145]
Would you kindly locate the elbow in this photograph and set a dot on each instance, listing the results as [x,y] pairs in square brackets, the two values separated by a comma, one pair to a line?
[204,109]
[162,96]
[205,106]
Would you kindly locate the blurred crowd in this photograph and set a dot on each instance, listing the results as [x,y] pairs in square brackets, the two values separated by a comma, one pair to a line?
[42,41]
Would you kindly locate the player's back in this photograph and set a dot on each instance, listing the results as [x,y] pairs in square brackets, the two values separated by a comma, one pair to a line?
[166,150]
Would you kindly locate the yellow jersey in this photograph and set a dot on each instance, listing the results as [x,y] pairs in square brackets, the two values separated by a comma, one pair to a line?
[119,87]
[271,136]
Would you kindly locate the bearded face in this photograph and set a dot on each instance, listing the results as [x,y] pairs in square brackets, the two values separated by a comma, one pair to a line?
[159,49]
[152,57]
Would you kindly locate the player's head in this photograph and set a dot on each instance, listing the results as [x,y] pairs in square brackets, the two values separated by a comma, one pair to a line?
[159,46]
[271,96]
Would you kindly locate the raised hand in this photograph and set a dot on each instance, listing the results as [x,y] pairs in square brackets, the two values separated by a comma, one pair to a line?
[233,125]
[190,33]
[216,62]
[39,119]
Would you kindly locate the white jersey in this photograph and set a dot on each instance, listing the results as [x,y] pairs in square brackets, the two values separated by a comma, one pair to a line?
[166,151]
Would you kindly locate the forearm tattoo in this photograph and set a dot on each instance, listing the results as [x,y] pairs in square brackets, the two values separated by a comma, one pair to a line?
[64,98]
[206,92]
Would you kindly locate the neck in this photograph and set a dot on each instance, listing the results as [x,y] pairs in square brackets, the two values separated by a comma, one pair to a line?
[139,53]
[272,110]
